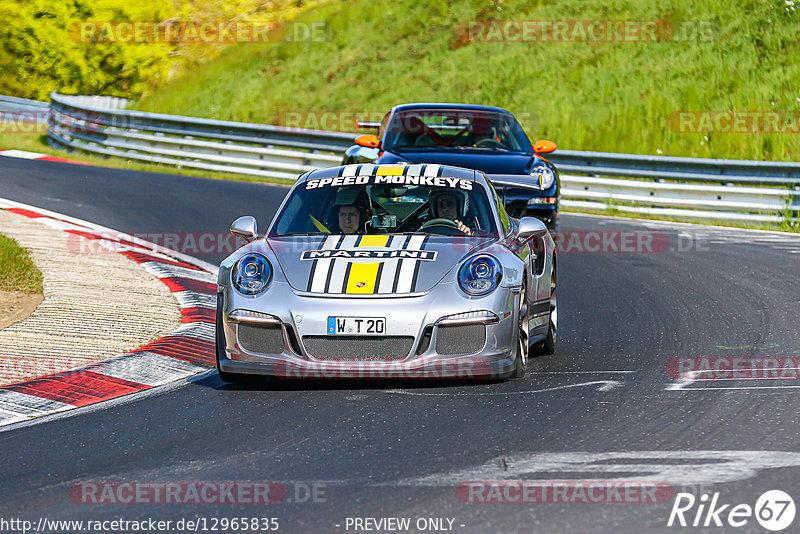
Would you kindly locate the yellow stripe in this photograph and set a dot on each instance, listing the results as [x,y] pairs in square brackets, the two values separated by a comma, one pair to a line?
[365,272]
[318,225]
[374,241]
[390,170]
[362,272]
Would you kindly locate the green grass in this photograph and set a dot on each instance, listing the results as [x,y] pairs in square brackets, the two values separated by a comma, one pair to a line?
[34,142]
[605,96]
[17,271]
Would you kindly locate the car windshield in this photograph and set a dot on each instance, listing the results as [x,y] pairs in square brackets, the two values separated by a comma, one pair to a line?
[455,129]
[379,205]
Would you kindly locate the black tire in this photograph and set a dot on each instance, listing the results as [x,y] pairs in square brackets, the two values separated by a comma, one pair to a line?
[548,346]
[230,378]
[521,354]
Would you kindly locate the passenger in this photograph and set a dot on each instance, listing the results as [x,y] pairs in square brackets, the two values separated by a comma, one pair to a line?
[349,219]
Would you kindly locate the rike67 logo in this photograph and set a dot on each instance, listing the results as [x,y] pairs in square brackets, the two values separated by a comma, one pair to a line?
[774,510]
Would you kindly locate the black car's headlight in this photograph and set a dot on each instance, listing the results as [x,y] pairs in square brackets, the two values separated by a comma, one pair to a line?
[545,176]
[251,274]
[480,275]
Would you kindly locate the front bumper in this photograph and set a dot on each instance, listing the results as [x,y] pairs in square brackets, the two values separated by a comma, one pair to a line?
[416,344]
[452,368]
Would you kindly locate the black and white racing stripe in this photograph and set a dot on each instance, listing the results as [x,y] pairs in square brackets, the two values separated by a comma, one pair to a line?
[369,169]
[338,270]
[408,269]
[329,275]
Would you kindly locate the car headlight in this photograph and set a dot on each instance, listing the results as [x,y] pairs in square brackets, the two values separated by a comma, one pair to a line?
[544,175]
[534,201]
[480,275]
[251,274]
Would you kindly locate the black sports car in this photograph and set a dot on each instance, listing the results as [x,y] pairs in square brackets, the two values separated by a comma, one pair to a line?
[484,138]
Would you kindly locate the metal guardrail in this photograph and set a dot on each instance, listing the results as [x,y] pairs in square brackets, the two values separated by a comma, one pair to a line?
[101,102]
[659,185]
[238,147]
[722,171]
[22,108]
[687,200]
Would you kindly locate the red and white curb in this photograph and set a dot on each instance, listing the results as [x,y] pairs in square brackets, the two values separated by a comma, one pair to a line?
[187,351]
[24,154]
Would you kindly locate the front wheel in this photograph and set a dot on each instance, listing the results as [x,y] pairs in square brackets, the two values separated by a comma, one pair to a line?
[548,346]
[521,359]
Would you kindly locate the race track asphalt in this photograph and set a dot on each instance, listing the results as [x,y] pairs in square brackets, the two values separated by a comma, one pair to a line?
[604,406]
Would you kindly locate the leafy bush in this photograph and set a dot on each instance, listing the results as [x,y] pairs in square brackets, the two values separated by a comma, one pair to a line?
[42,48]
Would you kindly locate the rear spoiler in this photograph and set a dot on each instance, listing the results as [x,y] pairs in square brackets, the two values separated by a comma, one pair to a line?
[524,181]
[367,125]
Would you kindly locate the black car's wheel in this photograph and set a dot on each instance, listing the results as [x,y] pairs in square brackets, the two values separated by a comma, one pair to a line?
[548,346]
[231,378]
[521,360]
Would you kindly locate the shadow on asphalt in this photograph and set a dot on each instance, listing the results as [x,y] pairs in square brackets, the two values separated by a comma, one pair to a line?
[330,384]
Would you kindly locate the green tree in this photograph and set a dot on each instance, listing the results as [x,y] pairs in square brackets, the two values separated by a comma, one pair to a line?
[44,45]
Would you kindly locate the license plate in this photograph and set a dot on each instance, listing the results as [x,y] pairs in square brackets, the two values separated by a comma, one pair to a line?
[356,326]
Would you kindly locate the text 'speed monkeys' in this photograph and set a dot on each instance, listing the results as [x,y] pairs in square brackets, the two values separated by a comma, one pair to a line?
[430,181]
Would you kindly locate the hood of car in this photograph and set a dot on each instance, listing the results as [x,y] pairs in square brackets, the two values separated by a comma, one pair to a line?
[488,161]
[370,265]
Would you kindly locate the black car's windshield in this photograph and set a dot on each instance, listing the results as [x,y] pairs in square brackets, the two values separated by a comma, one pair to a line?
[379,205]
[455,129]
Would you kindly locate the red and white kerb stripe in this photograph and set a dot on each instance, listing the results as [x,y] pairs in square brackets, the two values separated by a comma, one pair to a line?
[186,351]
[23,154]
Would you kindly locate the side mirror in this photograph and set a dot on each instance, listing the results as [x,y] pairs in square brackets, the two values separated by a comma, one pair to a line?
[368,141]
[544,146]
[245,227]
[530,227]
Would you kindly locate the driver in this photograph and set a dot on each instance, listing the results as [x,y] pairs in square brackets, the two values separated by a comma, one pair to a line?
[448,204]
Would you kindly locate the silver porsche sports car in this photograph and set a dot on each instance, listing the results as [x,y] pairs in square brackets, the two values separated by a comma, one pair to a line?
[387,271]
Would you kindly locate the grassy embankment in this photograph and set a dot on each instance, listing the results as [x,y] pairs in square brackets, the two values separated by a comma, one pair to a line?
[605,96]
[17,270]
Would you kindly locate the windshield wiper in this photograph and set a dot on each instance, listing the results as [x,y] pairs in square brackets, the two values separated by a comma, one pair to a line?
[462,147]
[494,148]
[302,234]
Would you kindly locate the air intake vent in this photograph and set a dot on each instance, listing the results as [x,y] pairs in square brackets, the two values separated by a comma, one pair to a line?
[261,339]
[467,339]
[358,348]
